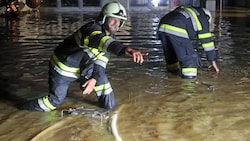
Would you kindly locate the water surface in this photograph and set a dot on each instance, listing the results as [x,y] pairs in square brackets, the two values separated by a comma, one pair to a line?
[153,104]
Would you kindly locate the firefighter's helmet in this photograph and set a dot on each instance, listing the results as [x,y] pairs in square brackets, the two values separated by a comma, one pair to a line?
[113,9]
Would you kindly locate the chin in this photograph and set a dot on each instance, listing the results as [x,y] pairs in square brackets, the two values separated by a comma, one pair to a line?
[113,31]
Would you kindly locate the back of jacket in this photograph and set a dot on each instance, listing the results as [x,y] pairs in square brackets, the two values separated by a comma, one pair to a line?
[179,18]
[195,23]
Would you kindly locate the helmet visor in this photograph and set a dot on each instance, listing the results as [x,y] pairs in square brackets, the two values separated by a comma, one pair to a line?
[120,14]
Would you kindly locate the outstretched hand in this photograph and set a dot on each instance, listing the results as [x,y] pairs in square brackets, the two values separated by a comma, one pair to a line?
[88,86]
[214,65]
[137,55]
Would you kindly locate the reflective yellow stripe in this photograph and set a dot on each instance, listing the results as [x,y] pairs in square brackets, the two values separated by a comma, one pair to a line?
[189,72]
[102,87]
[86,39]
[99,54]
[185,70]
[103,58]
[95,33]
[177,29]
[65,73]
[205,35]
[47,103]
[94,51]
[195,17]
[208,45]
[180,32]
[102,42]
[64,67]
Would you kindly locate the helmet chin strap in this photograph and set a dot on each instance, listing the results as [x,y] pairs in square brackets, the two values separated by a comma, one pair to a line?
[106,27]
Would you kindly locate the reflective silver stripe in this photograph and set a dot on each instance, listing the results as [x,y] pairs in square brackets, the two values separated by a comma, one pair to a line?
[104,92]
[209,48]
[179,34]
[195,26]
[64,73]
[189,73]
[107,43]
[185,13]
[90,54]
[63,66]
[42,105]
[101,63]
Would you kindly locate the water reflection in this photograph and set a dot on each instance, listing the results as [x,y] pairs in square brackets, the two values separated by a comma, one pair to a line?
[155,104]
[233,49]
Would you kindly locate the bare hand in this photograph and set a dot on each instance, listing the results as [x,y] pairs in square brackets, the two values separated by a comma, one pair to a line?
[89,86]
[214,65]
[137,55]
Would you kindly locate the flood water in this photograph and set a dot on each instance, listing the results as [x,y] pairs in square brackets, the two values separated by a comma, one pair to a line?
[152,104]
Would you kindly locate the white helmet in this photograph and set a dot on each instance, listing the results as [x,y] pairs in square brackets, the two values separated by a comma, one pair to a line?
[115,10]
[209,15]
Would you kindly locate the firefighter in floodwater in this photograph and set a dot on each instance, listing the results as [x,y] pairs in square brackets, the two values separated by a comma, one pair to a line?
[83,56]
[176,31]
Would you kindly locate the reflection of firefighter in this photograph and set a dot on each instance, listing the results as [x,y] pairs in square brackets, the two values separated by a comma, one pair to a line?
[177,29]
[11,7]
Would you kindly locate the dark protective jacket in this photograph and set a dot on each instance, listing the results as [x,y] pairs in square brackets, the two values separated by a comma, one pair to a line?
[83,55]
[190,23]
[88,46]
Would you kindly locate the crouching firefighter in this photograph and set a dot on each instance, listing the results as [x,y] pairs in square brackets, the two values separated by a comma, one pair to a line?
[84,56]
[178,29]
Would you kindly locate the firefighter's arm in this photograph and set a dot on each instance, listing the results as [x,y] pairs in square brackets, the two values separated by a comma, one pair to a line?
[137,55]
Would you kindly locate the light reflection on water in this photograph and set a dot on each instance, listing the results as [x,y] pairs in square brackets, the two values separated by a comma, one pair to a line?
[155,105]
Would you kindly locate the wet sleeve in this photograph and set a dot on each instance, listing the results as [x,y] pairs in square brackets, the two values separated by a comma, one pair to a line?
[98,71]
[117,48]
[107,43]
[211,55]
[94,37]
[205,37]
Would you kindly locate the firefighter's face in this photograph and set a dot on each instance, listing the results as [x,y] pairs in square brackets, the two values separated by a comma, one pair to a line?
[113,24]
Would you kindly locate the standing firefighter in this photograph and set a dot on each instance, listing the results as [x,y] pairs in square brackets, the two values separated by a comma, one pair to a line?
[83,56]
[176,31]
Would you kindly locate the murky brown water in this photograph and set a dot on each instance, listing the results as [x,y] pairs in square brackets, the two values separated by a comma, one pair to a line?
[153,104]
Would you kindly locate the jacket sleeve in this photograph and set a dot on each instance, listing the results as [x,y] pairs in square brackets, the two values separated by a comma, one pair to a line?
[94,36]
[107,43]
[207,43]
[98,71]
[100,65]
